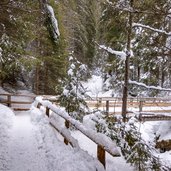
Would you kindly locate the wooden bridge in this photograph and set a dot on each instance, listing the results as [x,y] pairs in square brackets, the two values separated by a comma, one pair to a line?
[19,102]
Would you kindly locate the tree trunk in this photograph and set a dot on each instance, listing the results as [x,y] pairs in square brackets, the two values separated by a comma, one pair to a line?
[37,80]
[126,80]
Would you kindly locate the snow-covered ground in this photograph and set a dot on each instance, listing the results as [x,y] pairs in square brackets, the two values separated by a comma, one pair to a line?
[149,132]
[6,122]
[112,163]
[31,144]
[28,143]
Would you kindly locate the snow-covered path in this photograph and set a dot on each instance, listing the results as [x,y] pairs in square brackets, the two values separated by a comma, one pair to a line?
[28,143]
[23,147]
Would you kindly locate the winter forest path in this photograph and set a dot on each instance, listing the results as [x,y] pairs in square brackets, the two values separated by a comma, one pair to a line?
[23,148]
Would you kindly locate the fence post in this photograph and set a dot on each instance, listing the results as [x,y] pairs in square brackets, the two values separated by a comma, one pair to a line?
[47,111]
[9,100]
[100,100]
[107,107]
[101,155]
[38,105]
[67,126]
[140,105]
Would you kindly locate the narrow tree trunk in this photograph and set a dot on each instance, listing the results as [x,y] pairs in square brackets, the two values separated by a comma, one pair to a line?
[125,88]
[37,80]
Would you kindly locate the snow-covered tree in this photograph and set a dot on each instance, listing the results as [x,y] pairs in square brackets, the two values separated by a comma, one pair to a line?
[74,94]
[135,150]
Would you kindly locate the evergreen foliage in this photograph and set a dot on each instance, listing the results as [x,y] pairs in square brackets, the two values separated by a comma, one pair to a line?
[74,94]
[28,50]
[128,138]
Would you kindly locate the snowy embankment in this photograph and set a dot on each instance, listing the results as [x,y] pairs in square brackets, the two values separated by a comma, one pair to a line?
[6,121]
[161,129]
[60,156]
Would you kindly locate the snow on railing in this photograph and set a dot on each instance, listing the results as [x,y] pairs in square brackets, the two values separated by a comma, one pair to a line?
[103,142]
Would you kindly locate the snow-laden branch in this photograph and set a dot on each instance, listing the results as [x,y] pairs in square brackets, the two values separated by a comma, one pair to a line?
[151,28]
[54,21]
[149,87]
[120,54]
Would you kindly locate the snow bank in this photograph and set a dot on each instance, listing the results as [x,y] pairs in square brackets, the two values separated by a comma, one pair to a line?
[6,121]
[59,156]
[94,87]
[162,129]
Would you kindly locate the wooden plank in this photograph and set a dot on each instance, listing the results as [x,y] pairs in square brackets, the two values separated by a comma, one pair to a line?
[15,102]
[107,107]
[101,155]
[19,102]
[72,141]
[21,95]
[9,100]
[20,109]
[67,126]
[47,111]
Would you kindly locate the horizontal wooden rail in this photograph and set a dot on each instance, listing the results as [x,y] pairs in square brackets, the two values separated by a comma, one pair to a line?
[104,143]
[118,99]
[113,102]
[15,102]
[16,95]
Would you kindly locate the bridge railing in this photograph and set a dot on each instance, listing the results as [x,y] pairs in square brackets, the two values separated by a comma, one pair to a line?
[17,101]
[104,143]
[112,105]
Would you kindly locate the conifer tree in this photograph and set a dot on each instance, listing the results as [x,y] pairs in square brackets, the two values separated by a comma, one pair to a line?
[73,94]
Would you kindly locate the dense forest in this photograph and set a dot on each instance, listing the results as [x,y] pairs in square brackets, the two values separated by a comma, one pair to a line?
[32,52]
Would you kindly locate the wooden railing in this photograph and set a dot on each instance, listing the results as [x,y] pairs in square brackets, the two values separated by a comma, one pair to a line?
[104,143]
[17,101]
[113,102]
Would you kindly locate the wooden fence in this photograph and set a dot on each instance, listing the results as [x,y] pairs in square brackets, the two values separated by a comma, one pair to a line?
[104,144]
[140,103]
[17,101]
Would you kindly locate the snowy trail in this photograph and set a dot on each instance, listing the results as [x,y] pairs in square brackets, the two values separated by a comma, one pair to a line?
[23,148]
[32,145]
